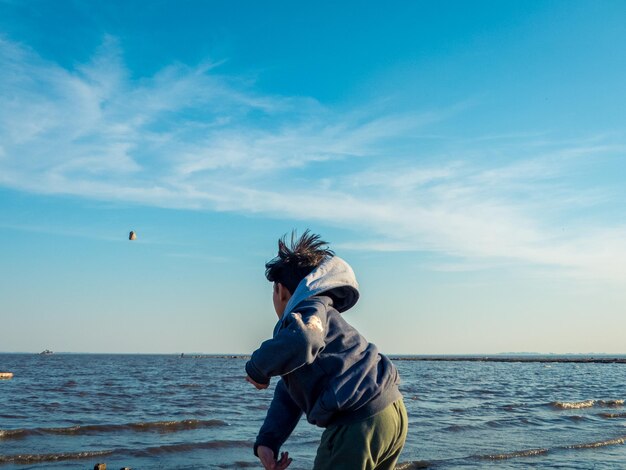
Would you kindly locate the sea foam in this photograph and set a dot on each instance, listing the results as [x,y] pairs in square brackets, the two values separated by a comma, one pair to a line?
[573,405]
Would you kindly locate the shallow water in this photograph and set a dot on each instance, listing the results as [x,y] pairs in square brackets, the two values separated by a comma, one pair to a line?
[164,412]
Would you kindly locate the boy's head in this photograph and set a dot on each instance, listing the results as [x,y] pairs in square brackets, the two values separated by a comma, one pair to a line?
[296,260]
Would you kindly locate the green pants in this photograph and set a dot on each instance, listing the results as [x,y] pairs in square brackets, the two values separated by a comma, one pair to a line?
[372,444]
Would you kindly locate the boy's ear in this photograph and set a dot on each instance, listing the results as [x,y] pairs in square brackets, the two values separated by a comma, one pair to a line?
[283,292]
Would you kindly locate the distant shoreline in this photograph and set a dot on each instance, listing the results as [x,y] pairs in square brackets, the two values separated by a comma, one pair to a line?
[536,359]
[521,358]
[540,359]
[509,358]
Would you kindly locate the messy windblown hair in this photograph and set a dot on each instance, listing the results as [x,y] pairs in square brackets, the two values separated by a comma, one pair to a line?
[295,261]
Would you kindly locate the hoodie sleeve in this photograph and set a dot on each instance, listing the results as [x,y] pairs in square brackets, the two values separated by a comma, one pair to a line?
[298,342]
[282,418]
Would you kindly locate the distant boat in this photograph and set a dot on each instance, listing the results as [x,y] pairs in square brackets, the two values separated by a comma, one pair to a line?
[45,352]
[6,375]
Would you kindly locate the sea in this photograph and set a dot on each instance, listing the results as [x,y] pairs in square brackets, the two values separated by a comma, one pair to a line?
[72,411]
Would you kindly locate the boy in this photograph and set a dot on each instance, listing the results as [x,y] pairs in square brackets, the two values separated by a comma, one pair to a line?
[328,370]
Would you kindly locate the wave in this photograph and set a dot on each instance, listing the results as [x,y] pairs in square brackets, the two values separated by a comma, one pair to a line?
[459,427]
[576,418]
[511,407]
[576,405]
[613,415]
[172,426]
[512,455]
[536,452]
[414,465]
[593,445]
[611,403]
[155,426]
[37,458]
[8,416]
[572,405]
[186,447]
[149,451]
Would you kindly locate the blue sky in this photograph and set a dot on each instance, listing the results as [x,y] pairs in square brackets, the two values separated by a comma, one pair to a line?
[468,159]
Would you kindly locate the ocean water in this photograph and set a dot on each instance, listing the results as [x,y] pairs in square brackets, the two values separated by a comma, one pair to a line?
[163,412]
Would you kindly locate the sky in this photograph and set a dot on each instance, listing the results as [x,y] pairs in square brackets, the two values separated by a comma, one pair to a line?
[468,159]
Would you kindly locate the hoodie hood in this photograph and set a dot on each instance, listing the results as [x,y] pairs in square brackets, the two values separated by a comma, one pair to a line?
[335,278]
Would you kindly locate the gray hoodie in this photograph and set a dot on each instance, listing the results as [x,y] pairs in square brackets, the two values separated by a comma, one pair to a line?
[329,371]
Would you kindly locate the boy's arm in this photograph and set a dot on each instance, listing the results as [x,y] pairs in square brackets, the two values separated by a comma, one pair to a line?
[298,342]
[282,418]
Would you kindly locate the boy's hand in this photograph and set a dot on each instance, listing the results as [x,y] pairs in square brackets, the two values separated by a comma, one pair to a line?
[266,455]
[256,384]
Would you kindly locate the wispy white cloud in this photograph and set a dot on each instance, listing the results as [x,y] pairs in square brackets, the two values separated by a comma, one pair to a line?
[191,138]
